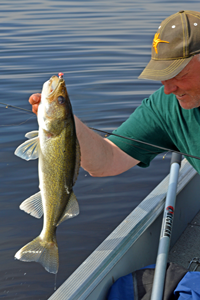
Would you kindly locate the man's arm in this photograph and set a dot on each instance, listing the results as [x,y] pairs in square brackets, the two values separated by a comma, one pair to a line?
[99,156]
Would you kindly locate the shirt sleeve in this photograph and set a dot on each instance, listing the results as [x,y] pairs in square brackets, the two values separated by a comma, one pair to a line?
[146,124]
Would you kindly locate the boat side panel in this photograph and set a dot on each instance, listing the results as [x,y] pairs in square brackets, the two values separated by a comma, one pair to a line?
[133,244]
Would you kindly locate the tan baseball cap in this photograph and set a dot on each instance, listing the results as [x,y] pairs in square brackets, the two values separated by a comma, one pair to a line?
[175,43]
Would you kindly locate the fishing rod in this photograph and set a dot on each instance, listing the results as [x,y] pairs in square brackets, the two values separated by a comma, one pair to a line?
[145,143]
[117,135]
[16,107]
[166,229]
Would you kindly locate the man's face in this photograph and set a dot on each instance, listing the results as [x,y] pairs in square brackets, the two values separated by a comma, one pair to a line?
[186,85]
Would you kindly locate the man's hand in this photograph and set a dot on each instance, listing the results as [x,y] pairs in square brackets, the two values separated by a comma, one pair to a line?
[34,100]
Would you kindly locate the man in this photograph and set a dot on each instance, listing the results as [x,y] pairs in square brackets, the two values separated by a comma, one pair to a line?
[169,118]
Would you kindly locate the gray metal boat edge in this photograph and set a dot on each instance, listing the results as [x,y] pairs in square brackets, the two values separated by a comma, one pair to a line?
[136,236]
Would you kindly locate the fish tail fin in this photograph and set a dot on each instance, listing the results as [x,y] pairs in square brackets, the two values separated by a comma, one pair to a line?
[41,251]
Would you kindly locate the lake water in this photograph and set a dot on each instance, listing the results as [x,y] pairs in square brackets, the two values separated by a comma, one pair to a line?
[101,47]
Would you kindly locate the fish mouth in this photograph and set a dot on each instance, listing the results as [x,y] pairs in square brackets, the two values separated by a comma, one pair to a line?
[54,84]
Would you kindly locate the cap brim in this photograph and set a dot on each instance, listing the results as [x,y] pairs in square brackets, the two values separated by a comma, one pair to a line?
[164,69]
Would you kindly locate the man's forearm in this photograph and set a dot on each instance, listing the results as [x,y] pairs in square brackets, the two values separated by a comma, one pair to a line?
[99,156]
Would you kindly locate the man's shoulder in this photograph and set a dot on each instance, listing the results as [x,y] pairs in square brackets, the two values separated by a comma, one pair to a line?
[167,107]
[160,103]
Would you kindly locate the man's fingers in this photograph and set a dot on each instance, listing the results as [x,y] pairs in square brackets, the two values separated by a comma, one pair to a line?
[35,108]
[34,100]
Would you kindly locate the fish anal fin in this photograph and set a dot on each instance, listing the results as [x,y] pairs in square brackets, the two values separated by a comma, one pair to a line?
[41,251]
[33,205]
[28,150]
[71,210]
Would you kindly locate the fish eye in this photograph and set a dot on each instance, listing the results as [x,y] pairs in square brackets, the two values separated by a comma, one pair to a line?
[61,100]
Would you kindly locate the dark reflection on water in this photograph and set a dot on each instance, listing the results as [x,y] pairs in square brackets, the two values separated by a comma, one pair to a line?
[101,46]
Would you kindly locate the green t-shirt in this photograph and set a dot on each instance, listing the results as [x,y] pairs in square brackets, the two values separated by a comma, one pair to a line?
[160,120]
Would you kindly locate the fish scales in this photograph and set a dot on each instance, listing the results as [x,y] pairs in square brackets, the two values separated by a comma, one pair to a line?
[57,148]
[58,169]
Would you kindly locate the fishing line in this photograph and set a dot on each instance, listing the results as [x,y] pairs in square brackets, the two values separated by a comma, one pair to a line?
[17,124]
[18,108]
[55,282]
[117,135]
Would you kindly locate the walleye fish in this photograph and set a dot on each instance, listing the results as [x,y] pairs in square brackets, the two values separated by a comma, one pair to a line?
[57,148]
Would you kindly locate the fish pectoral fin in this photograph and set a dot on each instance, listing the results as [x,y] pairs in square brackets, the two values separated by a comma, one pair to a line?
[29,150]
[31,134]
[33,205]
[71,210]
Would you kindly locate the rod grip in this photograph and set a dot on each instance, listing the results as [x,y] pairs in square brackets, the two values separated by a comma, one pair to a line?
[176,158]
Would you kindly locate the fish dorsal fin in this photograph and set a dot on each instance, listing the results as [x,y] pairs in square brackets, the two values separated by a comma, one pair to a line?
[71,210]
[31,134]
[78,159]
[33,205]
[28,150]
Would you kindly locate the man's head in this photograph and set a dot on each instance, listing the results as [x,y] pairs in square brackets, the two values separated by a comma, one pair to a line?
[175,57]
[175,43]
[186,85]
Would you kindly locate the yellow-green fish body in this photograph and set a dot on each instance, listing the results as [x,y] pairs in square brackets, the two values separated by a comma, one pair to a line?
[57,148]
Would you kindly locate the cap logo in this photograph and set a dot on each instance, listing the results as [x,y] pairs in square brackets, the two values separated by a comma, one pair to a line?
[156,41]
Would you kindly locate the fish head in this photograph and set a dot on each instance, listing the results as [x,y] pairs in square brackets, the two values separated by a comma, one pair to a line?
[55,107]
